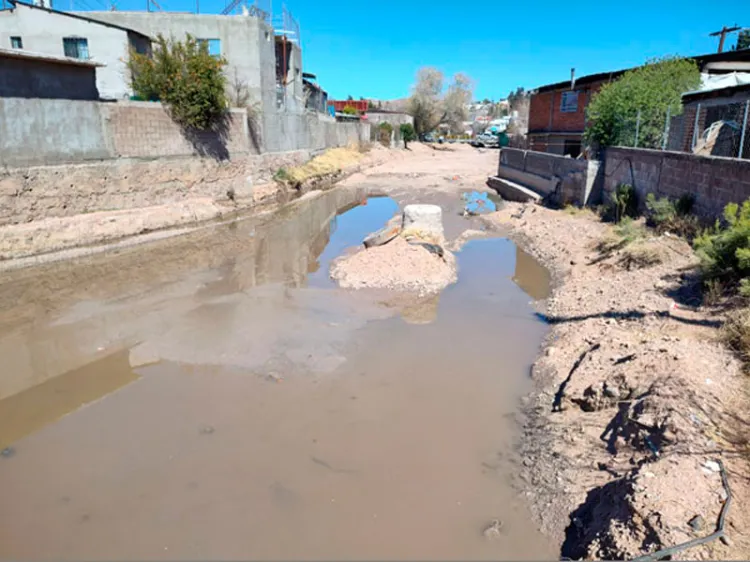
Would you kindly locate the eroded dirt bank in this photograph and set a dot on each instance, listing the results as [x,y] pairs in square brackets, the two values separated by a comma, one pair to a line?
[638,405]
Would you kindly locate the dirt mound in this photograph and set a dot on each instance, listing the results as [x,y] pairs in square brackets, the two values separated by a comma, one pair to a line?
[397,265]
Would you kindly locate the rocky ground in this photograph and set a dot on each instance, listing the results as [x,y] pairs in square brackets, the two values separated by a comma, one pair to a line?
[640,409]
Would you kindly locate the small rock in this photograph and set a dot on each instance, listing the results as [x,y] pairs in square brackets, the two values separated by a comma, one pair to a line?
[493,530]
[697,523]
[550,351]
[573,262]
[725,540]
[713,466]
[207,430]
[527,461]
[8,452]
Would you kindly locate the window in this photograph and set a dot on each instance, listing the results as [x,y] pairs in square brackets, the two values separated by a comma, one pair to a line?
[214,46]
[569,102]
[16,43]
[76,47]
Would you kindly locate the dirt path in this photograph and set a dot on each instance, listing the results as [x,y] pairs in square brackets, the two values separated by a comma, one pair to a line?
[637,400]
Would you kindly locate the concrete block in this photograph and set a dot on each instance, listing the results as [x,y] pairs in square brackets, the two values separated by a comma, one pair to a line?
[511,191]
[427,219]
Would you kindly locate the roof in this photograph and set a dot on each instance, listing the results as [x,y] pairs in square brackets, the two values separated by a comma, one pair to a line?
[701,60]
[313,85]
[56,59]
[79,17]
[722,82]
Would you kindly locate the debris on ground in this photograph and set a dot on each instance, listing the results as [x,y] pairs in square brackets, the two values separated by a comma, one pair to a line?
[477,203]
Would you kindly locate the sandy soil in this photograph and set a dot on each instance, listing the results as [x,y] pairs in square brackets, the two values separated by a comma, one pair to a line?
[637,399]
[397,265]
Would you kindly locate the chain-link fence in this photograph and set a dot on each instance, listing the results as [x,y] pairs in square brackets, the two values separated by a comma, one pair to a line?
[715,128]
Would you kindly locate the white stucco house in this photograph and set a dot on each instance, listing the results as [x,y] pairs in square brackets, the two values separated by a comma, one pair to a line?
[40,29]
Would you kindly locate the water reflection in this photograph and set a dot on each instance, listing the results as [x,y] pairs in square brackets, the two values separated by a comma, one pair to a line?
[531,276]
[45,403]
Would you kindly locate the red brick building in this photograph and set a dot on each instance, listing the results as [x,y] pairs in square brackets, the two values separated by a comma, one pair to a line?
[557,112]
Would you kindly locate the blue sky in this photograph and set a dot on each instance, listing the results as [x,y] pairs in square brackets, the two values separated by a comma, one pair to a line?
[374,48]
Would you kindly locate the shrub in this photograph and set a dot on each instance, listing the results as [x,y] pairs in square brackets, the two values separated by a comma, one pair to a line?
[736,333]
[623,202]
[349,110]
[408,133]
[650,90]
[664,215]
[724,251]
[185,77]
[385,130]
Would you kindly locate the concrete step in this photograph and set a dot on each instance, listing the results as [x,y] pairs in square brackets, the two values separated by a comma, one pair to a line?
[511,191]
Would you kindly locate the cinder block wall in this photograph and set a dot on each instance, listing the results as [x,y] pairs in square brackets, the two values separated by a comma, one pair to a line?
[714,181]
[145,130]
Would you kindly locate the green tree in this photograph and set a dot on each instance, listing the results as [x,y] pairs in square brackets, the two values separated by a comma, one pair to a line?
[185,78]
[638,101]
[349,110]
[407,133]
[743,40]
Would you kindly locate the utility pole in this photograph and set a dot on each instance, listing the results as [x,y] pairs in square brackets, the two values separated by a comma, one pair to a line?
[722,34]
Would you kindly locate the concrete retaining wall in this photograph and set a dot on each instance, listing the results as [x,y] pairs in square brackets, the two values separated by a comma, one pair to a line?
[714,181]
[37,132]
[289,131]
[28,194]
[43,131]
[60,158]
[570,180]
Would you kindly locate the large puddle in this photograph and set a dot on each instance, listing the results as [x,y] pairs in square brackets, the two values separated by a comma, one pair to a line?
[216,397]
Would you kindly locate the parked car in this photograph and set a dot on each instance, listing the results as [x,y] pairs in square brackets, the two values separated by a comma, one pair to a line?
[429,137]
[485,139]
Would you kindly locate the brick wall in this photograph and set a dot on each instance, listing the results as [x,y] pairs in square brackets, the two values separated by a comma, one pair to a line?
[539,111]
[713,181]
[145,130]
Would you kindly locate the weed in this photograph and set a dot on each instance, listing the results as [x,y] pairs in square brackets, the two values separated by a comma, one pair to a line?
[629,230]
[713,292]
[736,333]
[665,215]
[640,256]
[624,202]
[281,175]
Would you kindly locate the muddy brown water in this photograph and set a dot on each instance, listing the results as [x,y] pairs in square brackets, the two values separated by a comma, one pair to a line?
[216,397]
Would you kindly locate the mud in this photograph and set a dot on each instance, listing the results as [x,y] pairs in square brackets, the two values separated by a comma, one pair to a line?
[216,396]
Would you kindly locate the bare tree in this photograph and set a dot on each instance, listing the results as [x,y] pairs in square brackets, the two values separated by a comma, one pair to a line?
[456,102]
[425,104]
[430,107]
[519,122]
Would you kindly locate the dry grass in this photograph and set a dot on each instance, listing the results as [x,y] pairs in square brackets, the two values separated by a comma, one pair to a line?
[639,255]
[329,162]
[736,333]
